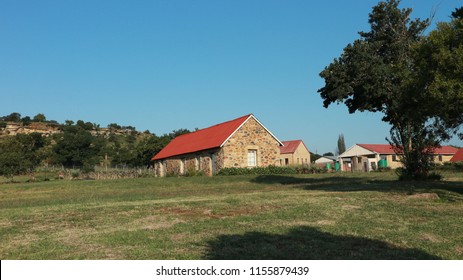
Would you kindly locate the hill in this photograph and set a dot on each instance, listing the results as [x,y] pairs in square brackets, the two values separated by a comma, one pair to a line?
[27,143]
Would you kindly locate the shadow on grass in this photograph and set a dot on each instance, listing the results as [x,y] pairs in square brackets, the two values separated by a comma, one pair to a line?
[304,243]
[348,184]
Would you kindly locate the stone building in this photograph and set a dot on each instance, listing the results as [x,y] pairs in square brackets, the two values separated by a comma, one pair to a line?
[242,142]
[294,153]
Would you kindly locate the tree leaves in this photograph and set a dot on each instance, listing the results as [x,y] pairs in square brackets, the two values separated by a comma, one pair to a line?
[415,81]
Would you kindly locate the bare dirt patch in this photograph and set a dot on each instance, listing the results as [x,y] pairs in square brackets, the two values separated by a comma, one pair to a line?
[430,196]
[431,238]
[326,223]
[350,207]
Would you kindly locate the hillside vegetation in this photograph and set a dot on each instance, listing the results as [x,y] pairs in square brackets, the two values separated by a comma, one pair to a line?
[27,143]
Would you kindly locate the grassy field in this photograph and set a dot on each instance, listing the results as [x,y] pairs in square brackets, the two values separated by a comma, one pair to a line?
[329,216]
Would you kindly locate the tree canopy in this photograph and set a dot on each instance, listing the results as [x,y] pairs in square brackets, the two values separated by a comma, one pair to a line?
[341,144]
[387,70]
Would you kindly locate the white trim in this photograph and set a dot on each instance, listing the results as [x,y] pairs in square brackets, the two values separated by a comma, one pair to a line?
[252,158]
[250,116]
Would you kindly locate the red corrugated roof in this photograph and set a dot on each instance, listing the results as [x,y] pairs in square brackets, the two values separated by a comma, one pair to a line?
[386,149]
[446,150]
[383,149]
[289,147]
[458,156]
[204,139]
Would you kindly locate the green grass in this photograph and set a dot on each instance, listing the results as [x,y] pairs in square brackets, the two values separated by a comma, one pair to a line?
[327,216]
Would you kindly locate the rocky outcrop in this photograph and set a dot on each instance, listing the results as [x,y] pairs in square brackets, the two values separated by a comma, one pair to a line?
[14,128]
[47,129]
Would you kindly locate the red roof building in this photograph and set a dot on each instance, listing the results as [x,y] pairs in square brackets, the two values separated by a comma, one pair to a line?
[294,152]
[386,149]
[242,142]
[458,156]
[368,157]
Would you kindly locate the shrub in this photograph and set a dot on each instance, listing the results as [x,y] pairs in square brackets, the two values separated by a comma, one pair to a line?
[271,170]
[384,169]
[404,176]
[451,166]
[75,174]
[191,172]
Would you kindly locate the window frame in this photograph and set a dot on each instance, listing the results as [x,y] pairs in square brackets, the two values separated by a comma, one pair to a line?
[252,158]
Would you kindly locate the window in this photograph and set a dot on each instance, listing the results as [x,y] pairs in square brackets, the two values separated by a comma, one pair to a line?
[440,158]
[252,158]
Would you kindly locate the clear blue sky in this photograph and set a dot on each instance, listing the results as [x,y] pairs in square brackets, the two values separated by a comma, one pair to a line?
[170,64]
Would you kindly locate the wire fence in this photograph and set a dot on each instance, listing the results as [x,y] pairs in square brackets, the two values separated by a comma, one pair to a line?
[100,173]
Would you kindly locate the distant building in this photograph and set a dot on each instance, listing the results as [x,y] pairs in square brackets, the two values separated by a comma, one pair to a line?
[326,159]
[294,152]
[458,156]
[367,157]
[242,142]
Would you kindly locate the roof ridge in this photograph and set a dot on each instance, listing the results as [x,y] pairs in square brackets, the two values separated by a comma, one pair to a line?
[202,139]
[222,123]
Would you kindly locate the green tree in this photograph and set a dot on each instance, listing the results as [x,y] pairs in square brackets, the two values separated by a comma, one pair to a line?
[26,120]
[380,72]
[12,161]
[76,147]
[440,75]
[13,117]
[20,154]
[341,144]
[39,118]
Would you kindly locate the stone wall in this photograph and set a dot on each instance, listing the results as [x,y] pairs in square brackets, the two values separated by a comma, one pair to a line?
[189,163]
[251,136]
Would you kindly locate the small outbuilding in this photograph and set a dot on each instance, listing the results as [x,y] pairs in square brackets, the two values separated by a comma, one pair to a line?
[294,152]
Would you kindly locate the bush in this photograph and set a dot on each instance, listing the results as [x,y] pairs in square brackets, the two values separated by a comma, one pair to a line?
[271,170]
[384,169]
[193,173]
[451,166]
[404,176]
[75,174]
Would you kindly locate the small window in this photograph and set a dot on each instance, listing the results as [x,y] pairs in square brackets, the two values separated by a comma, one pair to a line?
[440,158]
[394,157]
[252,158]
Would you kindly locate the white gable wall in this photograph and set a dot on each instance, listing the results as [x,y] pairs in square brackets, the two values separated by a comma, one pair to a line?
[355,151]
